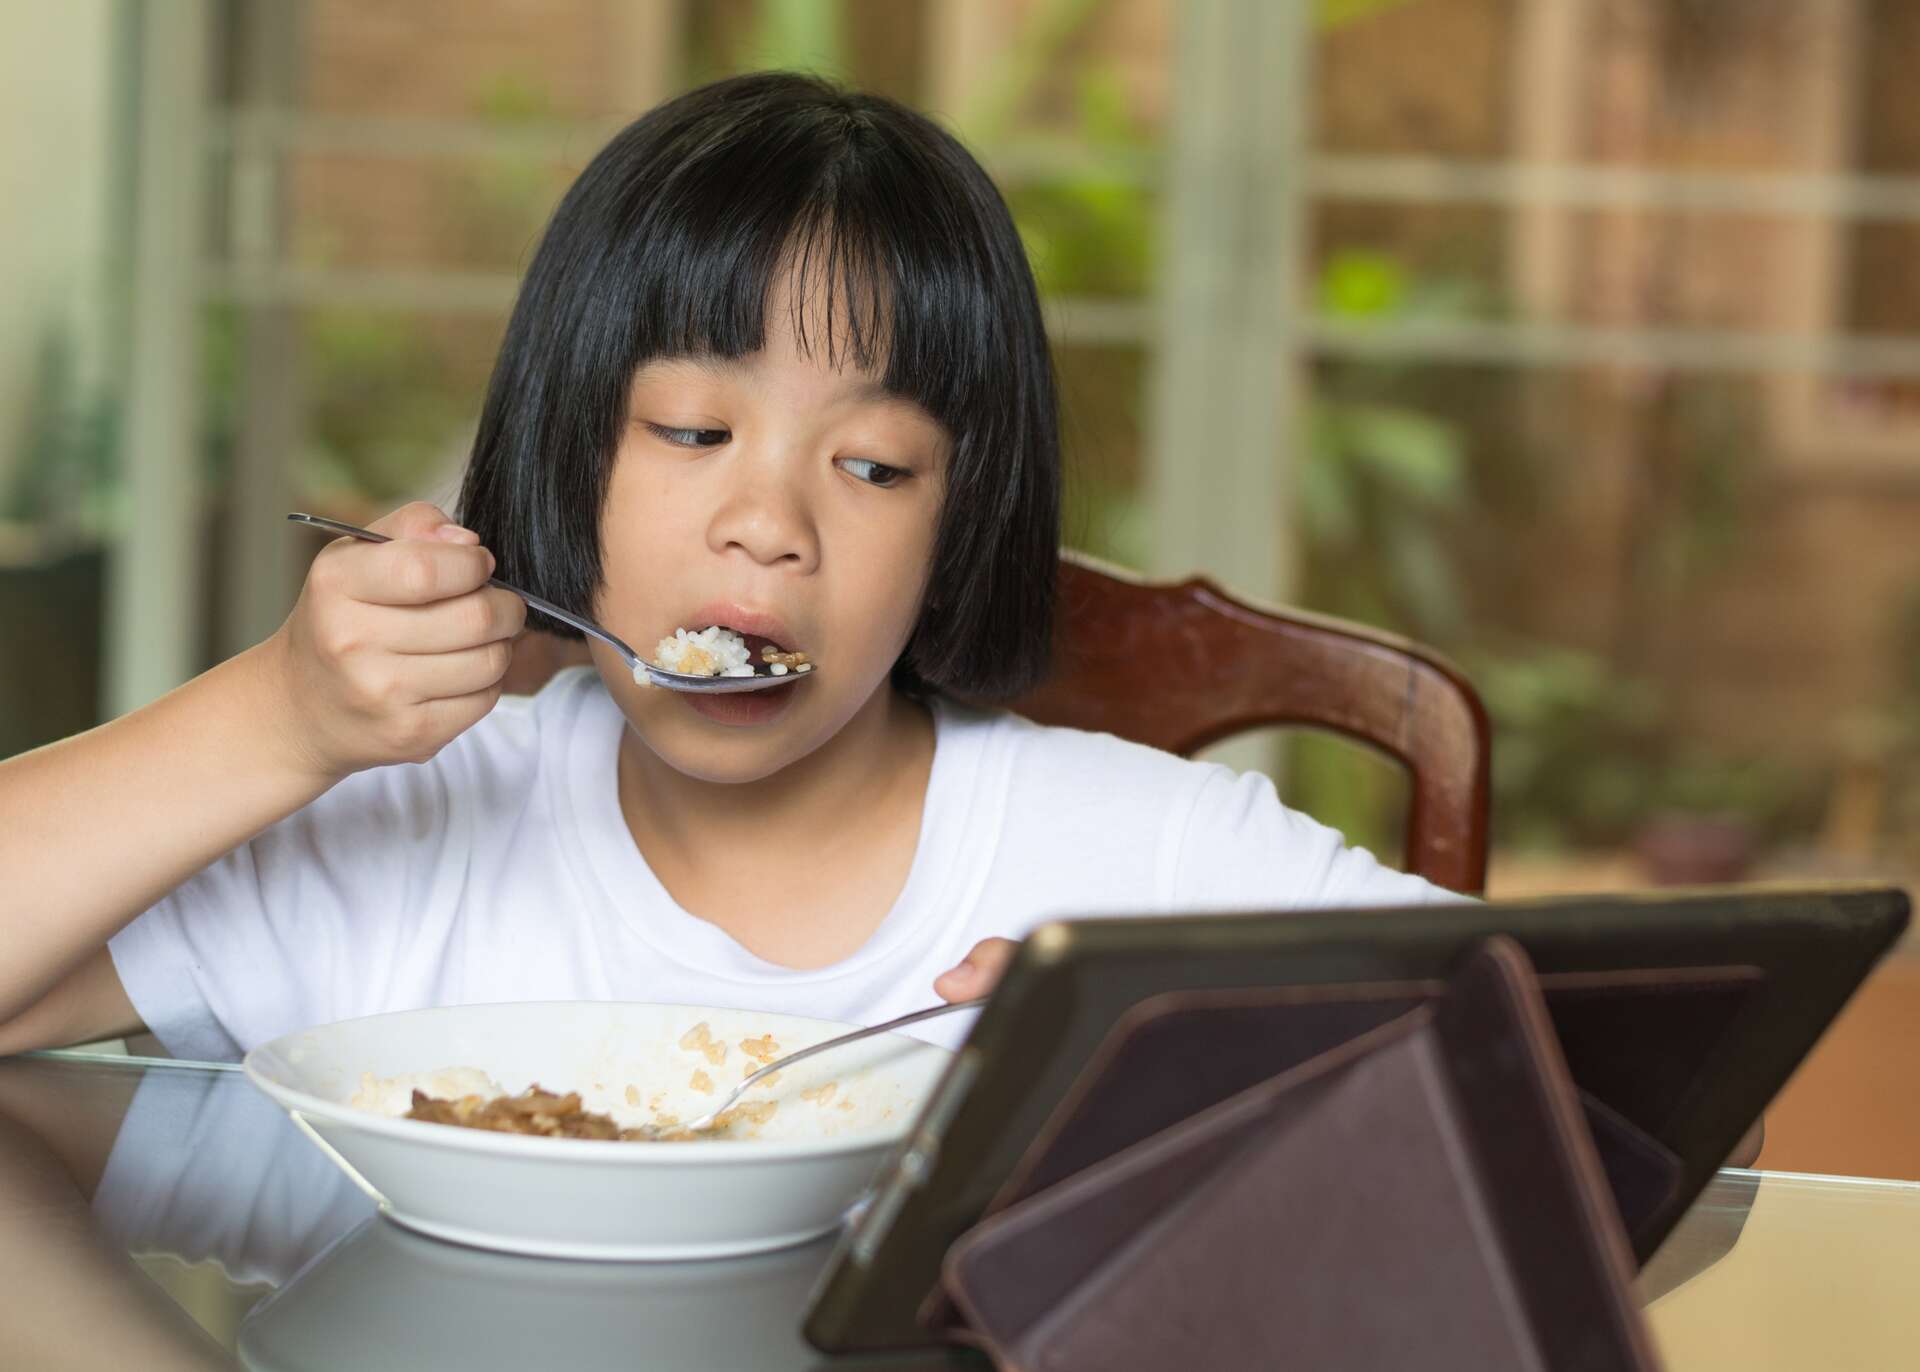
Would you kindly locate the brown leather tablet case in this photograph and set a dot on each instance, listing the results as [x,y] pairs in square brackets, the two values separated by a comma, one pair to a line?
[1419,1189]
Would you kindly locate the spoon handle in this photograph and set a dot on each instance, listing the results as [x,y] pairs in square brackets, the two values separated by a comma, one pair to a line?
[801,1055]
[545,607]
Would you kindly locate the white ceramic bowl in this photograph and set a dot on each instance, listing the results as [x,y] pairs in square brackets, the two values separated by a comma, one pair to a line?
[778,1183]
[388,1298]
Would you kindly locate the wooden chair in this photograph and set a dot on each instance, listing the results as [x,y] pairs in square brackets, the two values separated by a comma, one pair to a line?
[1184,665]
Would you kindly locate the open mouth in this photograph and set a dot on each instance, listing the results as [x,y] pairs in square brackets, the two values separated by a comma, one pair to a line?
[758,645]
[770,657]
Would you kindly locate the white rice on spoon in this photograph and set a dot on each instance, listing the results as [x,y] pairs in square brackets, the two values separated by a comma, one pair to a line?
[717,651]
[712,651]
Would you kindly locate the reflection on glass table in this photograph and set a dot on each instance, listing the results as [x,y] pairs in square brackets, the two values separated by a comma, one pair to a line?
[172,1217]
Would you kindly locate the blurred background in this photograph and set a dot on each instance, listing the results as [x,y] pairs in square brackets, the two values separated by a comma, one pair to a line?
[1578,338]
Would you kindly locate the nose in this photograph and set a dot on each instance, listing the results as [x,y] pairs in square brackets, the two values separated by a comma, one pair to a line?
[763,513]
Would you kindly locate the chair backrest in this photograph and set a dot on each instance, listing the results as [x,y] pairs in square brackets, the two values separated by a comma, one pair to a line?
[1183,665]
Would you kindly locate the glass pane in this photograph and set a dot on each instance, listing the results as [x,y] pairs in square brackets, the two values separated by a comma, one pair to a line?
[1682,573]
[392,398]
[1414,76]
[1695,637]
[1100,402]
[449,59]
[62,316]
[451,214]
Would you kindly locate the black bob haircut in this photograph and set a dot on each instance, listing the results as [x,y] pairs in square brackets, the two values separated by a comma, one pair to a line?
[668,245]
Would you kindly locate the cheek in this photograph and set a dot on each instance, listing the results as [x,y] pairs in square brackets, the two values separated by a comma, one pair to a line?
[888,592]
[638,528]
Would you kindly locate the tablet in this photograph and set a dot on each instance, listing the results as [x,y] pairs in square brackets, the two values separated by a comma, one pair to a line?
[1680,1015]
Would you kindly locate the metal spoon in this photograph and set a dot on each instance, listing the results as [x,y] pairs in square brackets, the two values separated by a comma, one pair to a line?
[761,679]
[699,1122]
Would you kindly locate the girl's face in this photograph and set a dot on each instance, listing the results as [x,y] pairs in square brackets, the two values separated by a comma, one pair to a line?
[783,498]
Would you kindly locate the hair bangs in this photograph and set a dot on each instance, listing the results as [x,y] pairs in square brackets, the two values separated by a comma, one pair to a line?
[871,281]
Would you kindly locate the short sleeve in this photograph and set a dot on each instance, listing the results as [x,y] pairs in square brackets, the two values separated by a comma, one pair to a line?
[295,926]
[1241,848]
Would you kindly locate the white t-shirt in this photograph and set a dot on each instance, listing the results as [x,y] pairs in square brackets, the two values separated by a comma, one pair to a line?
[504,870]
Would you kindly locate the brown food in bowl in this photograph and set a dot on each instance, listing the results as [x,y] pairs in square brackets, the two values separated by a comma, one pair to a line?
[535,1111]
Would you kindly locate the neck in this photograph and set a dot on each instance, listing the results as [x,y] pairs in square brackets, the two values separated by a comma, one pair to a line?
[882,755]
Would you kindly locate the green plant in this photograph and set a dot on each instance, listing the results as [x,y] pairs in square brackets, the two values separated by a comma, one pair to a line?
[67,458]
[1585,755]
[1106,518]
[1091,230]
[1333,13]
[782,35]
[1380,478]
[1692,483]
[800,35]
[1348,786]
[383,406]
[494,206]
[1574,744]
[1376,481]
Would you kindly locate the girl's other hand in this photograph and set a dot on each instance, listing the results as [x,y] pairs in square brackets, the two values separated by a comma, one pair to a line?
[394,649]
[978,973]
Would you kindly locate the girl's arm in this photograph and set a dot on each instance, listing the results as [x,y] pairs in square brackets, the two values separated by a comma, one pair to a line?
[393,650]
[96,828]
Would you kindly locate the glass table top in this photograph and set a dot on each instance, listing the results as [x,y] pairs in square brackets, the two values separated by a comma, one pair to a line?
[164,1216]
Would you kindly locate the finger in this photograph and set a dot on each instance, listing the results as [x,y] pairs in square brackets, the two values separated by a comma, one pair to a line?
[487,615]
[954,985]
[420,520]
[979,972]
[993,955]
[454,716]
[410,572]
[449,676]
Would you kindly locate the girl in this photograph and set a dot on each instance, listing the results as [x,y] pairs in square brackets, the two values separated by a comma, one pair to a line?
[778,365]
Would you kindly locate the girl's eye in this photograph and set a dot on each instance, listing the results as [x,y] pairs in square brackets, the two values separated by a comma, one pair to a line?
[873,473]
[689,438]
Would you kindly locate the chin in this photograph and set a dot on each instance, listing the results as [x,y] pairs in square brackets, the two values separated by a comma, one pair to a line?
[722,754]
[716,740]
[728,761]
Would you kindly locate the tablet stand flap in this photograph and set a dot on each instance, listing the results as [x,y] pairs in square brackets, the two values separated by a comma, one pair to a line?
[1173,1056]
[1197,1048]
[1642,1172]
[1423,1195]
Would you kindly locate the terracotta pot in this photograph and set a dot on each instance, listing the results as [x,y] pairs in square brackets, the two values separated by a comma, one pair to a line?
[1680,849]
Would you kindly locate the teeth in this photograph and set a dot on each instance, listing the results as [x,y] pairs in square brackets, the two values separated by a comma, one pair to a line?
[757,643]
